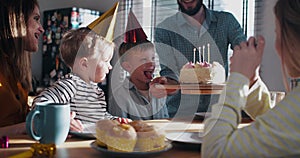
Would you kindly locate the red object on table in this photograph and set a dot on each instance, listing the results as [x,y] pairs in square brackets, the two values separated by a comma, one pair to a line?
[4,142]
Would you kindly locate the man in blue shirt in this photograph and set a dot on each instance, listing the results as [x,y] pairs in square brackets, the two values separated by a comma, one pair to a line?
[194,26]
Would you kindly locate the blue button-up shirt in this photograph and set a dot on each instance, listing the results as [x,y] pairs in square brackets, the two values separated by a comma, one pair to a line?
[176,38]
[128,102]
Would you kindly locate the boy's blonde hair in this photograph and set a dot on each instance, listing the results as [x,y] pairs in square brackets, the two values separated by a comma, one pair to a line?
[127,48]
[82,43]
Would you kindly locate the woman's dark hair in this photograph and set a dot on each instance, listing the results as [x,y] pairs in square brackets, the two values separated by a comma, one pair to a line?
[15,63]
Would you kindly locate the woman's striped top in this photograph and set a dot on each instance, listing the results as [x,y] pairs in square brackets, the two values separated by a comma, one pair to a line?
[276,133]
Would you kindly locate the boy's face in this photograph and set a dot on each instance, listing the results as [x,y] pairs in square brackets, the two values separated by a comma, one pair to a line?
[99,67]
[141,65]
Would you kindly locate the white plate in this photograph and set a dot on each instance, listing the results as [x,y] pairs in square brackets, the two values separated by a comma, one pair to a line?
[185,137]
[88,132]
[135,154]
[203,114]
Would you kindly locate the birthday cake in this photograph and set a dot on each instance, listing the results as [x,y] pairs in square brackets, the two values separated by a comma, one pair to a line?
[202,72]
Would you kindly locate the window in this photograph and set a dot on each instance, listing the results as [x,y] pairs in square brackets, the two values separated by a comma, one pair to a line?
[150,13]
[245,15]
[162,9]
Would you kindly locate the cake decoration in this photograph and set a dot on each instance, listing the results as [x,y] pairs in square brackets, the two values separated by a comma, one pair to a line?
[202,72]
[134,136]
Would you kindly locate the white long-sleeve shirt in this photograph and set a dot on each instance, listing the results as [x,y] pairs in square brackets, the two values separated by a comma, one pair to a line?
[86,99]
[273,134]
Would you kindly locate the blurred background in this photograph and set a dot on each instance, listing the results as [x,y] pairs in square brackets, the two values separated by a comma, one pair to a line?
[255,16]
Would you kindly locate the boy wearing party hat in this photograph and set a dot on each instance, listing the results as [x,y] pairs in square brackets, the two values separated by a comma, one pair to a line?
[87,51]
[132,98]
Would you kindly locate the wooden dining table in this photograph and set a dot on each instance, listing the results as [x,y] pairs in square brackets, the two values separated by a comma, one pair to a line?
[76,147]
[80,147]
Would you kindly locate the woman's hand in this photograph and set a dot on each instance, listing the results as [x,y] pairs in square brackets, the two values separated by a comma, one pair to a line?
[247,57]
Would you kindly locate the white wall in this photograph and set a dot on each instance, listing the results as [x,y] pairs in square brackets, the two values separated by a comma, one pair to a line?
[271,69]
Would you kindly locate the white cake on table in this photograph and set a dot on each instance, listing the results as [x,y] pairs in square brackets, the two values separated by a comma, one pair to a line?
[202,73]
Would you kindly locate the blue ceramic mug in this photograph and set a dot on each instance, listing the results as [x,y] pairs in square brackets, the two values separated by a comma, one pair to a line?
[49,123]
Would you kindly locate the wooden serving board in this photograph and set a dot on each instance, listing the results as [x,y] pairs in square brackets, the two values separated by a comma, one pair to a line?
[174,126]
[195,88]
[202,86]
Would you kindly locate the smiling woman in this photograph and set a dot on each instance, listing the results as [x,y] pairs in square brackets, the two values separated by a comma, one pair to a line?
[20,29]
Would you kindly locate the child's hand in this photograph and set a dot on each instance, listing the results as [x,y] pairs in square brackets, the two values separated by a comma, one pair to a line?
[161,92]
[75,125]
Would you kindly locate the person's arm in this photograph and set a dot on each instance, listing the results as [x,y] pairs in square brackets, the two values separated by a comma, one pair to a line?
[235,32]
[160,92]
[222,138]
[15,129]
[75,124]
[258,100]
[61,92]
[166,53]
[273,134]
[221,132]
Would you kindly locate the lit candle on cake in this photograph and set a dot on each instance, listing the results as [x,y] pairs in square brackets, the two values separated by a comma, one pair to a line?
[199,49]
[203,53]
[208,52]
[194,59]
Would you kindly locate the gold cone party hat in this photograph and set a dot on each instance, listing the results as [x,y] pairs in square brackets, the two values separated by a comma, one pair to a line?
[105,24]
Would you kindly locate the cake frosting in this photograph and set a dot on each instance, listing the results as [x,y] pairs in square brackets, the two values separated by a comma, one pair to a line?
[149,137]
[115,136]
[202,73]
[103,126]
[128,137]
